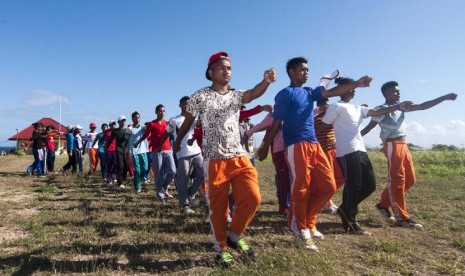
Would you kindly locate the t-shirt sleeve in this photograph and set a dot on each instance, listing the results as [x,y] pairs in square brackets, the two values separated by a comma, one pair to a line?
[331,114]
[377,118]
[281,105]
[316,93]
[364,111]
[171,126]
[194,103]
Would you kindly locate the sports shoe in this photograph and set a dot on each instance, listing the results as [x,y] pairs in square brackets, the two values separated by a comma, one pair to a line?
[385,213]
[354,228]
[409,223]
[305,241]
[187,210]
[330,209]
[138,191]
[241,246]
[224,259]
[168,196]
[193,201]
[315,234]
[121,187]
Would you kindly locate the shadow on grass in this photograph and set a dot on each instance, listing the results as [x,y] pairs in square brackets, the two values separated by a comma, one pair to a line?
[29,263]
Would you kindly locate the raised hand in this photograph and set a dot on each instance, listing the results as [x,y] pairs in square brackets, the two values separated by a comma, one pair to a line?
[270,76]
[451,96]
[405,105]
[364,81]
[267,108]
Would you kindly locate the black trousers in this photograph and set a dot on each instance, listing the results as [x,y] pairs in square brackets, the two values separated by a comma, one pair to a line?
[71,162]
[360,182]
[121,167]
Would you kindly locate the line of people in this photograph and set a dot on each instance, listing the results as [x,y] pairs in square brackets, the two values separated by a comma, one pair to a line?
[314,153]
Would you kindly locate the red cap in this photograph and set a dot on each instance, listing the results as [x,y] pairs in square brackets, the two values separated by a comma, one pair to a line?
[93,125]
[215,57]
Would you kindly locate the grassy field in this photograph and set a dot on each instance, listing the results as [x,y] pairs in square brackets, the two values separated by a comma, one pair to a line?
[75,225]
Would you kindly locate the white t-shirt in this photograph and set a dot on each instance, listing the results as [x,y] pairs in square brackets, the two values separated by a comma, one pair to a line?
[392,125]
[219,114]
[89,138]
[346,119]
[173,127]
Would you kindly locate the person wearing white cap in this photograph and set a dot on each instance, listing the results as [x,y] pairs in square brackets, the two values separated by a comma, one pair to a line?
[78,148]
[71,164]
[119,135]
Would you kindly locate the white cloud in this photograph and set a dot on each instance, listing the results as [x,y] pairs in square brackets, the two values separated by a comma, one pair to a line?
[43,97]
[457,124]
[416,128]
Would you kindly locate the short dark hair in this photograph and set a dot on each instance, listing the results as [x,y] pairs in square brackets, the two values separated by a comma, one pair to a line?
[388,85]
[294,62]
[134,114]
[322,102]
[342,80]
[104,124]
[158,107]
[183,99]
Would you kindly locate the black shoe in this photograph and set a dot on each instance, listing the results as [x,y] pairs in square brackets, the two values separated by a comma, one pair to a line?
[355,229]
[409,223]
[385,213]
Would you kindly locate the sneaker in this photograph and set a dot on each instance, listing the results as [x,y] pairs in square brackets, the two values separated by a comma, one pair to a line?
[187,210]
[354,228]
[305,241]
[409,223]
[330,209]
[241,246]
[224,259]
[315,234]
[121,187]
[385,213]
[168,196]
[138,191]
[193,201]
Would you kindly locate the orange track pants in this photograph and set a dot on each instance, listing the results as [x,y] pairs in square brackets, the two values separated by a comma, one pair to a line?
[401,178]
[312,184]
[242,175]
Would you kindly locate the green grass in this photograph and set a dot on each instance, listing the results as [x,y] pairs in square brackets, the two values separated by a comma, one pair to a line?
[81,226]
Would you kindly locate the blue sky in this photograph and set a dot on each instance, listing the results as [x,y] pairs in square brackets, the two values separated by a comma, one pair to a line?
[106,58]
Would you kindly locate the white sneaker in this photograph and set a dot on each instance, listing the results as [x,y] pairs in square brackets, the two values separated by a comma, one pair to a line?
[330,209]
[193,201]
[315,234]
[187,210]
[121,187]
[305,241]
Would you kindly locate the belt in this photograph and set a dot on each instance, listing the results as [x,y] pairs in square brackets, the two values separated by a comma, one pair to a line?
[401,138]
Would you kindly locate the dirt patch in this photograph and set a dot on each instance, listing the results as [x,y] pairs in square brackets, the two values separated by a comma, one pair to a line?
[16,198]
[8,234]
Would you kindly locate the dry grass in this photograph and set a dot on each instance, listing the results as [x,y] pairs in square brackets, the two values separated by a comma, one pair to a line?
[67,224]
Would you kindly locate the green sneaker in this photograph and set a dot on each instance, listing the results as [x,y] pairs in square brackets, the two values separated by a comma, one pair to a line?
[224,259]
[304,240]
[242,246]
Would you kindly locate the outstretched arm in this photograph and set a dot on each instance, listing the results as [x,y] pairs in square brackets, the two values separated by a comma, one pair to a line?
[346,88]
[186,125]
[268,77]
[404,106]
[429,104]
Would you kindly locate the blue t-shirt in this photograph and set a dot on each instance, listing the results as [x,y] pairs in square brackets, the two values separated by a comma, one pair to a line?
[100,140]
[69,141]
[294,106]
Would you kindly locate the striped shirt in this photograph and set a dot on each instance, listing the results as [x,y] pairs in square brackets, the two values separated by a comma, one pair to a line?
[324,133]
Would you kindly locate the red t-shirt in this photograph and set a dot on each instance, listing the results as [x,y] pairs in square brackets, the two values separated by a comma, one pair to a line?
[106,136]
[154,132]
[50,141]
